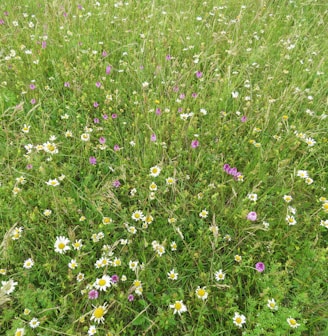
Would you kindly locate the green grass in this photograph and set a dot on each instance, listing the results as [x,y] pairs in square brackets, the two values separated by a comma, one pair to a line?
[182,71]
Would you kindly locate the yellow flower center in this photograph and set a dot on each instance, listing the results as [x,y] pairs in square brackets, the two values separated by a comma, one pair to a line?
[61,246]
[177,306]
[101,282]
[238,320]
[201,292]
[137,283]
[292,322]
[99,312]
[51,148]
[18,333]
[272,305]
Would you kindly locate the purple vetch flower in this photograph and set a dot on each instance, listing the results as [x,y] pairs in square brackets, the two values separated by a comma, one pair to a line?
[102,140]
[93,294]
[194,143]
[153,137]
[115,278]
[199,74]
[116,183]
[108,69]
[243,119]
[92,160]
[252,216]
[131,297]
[226,167]
[260,267]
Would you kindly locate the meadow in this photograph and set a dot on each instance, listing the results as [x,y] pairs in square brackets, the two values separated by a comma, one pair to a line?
[163,167]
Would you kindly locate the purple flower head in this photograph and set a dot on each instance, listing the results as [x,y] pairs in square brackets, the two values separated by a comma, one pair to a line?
[158,111]
[115,278]
[105,116]
[114,116]
[252,216]
[104,53]
[108,69]
[153,137]
[260,267]
[130,297]
[67,84]
[226,167]
[29,166]
[176,89]
[199,74]
[2,22]
[233,171]
[92,160]
[194,95]
[65,14]
[96,120]
[194,143]
[33,101]
[180,109]
[102,140]
[243,119]
[32,86]
[95,104]
[182,96]
[116,148]
[168,57]
[116,184]
[93,294]
[98,84]
[44,45]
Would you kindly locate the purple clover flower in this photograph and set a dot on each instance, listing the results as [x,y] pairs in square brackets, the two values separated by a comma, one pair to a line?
[252,216]
[194,143]
[92,160]
[260,267]
[93,294]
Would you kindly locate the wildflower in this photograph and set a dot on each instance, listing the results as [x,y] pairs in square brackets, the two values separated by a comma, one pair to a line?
[133,265]
[172,275]
[174,246]
[252,216]
[80,277]
[19,332]
[324,223]
[219,275]
[17,233]
[26,311]
[93,294]
[227,237]
[170,180]
[92,160]
[243,119]
[26,128]
[292,322]
[92,330]
[178,307]
[77,245]
[252,197]
[203,213]
[116,183]
[310,142]
[238,258]
[8,286]
[47,212]
[98,313]
[115,278]
[73,264]
[234,94]
[85,137]
[28,263]
[194,143]
[239,320]
[130,297]
[287,198]
[107,220]
[117,262]
[137,215]
[61,244]
[50,148]
[155,171]
[308,180]
[153,137]
[201,293]
[290,220]
[103,283]
[302,173]
[53,183]
[272,304]
[153,186]
[325,206]
[34,323]
[260,267]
